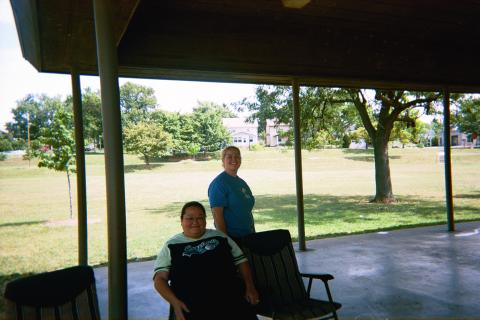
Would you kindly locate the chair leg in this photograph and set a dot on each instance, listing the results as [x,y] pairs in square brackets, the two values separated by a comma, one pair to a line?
[310,280]
[330,299]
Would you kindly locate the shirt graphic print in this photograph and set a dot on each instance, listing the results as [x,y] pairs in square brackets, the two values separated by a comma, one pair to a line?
[200,248]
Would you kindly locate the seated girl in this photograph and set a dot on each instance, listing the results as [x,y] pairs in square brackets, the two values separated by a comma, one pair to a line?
[202,266]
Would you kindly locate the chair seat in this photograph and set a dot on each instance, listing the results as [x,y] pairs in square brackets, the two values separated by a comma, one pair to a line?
[308,309]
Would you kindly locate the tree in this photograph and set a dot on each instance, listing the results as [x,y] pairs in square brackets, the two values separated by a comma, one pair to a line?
[410,131]
[189,139]
[437,129]
[221,109]
[34,111]
[58,152]
[136,103]
[92,117]
[271,102]
[193,149]
[147,139]
[467,117]
[421,132]
[5,142]
[386,108]
[332,115]
[180,127]
[327,117]
[326,114]
[208,125]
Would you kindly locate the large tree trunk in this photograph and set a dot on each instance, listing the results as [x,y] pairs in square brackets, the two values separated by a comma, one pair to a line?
[383,180]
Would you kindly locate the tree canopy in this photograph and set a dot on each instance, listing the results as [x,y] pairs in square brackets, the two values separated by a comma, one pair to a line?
[92,117]
[326,115]
[467,116]
[201,129]
[207,122]
[136,102]
[35,111]
[147,139]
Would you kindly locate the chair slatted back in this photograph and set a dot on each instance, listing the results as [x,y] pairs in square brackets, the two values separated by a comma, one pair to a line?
[274,266]
[63,294]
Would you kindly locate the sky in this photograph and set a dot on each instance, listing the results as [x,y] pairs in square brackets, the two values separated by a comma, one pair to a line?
[19,78]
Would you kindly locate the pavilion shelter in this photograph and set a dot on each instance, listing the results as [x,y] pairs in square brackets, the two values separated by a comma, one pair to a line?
[390,44]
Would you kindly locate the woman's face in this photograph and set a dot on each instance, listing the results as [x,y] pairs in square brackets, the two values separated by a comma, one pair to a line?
[194,222]
[232,161]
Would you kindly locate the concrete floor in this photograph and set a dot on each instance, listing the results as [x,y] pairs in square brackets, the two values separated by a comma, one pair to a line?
[421,273]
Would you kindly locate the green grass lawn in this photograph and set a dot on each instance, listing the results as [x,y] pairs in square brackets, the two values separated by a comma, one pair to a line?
[37,235]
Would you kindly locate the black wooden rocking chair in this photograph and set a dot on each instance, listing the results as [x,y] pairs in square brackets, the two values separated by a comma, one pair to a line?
[279,281]
[63,294]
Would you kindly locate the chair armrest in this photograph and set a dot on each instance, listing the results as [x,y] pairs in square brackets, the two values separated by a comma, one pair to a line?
[321,276]
[325,277]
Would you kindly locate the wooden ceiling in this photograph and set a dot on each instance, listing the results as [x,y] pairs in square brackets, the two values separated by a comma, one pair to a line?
[421,44]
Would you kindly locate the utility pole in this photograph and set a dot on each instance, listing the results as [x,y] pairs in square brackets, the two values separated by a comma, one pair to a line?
[28,138]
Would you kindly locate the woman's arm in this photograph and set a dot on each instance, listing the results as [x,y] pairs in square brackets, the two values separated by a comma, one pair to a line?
[219,219]
[251,293]
[160,282]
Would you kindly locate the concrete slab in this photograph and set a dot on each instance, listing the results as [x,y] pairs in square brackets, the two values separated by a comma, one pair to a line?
[420,273]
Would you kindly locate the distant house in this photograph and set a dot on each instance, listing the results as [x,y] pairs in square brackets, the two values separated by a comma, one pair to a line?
[272,133]
[360,144]
[243,133]
[460,139]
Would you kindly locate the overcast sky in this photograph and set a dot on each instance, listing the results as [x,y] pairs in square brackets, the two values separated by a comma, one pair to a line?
[18,78]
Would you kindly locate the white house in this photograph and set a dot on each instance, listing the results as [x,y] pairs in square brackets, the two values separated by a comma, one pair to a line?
[360,144]
[272,133]
[243,133]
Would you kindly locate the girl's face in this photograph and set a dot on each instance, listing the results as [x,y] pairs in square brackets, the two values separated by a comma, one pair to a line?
[232,161]
[194,222]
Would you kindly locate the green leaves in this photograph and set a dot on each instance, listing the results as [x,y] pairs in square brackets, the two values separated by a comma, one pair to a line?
[58,146]
[326,113]
[148,139]
[467,116]
[208,126]
[58,143]
[136,103]
[35,112]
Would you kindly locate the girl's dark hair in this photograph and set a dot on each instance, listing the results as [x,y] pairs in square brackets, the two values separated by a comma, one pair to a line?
[190,204]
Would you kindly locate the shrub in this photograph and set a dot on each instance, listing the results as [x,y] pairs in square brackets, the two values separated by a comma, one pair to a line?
[5,145]
[18,144]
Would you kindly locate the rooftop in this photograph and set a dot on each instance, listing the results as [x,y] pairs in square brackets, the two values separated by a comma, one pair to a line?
[421,44]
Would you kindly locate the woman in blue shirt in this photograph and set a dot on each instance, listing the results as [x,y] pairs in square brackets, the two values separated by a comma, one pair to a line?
[230,197]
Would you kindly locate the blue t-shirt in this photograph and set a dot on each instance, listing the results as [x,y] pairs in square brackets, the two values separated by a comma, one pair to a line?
[236,198]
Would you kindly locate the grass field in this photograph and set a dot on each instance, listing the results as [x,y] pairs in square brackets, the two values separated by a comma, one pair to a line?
[37,235]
